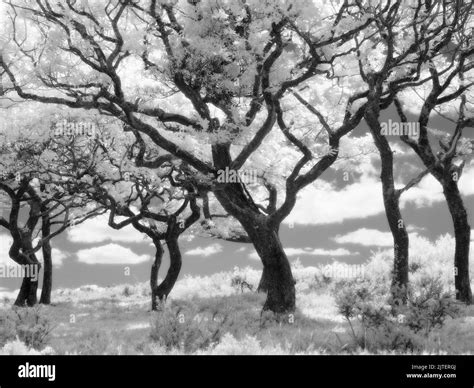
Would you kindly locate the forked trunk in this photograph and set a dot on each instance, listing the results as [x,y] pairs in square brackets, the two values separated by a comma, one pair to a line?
[165,287]
[279,281]
[27,296]
[462,235]
[391,199]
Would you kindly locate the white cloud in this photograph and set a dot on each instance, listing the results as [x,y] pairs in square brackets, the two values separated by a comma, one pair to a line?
[110,254]
[57,255]
[414,228]
[366,237]
[290,252]
[466,182]
[5,242]
[371,238]
[319,252]
[322,204]
[96,230]
[206,251]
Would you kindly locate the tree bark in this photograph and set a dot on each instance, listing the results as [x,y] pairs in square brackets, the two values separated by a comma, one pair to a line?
[159,292]
[263,284]
[462,235]
[155,268]
[165,287]
[277,278]
[47,263]
[391,199]
[27,296]
[238,203]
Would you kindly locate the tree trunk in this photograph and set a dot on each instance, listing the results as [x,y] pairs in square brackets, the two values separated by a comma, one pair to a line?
[277,278]
[27,296]
[160,292]
[165,287]
[462,235]
[263,284]
[391,199]
[155,268]
[47,263]
[238,203]
[47,275]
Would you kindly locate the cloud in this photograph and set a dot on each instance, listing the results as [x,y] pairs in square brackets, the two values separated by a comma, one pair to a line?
[372,238]
[414,228]
[96,230]
[58,257]
[319,252]
[366,237]
[465,182]
[110,254]
[206,251]
[322,204]
[290,252]
[5,242]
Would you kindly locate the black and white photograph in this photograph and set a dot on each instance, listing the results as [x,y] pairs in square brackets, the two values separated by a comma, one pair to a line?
[182,179]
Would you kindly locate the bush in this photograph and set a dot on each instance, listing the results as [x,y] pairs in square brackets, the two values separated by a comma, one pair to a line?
[428,306]
[240,283]
[26,324]
[375,323]
[177,328]
[94,342]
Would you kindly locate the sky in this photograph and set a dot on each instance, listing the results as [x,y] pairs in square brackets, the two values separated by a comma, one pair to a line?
[334,219]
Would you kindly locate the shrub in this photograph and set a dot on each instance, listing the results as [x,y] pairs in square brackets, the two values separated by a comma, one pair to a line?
[126,291]
[177,328]
[240,283]
[28,324]
[94,342]
[428,306]
[376,323]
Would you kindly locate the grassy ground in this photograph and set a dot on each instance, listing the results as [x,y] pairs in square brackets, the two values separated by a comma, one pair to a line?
[210,316]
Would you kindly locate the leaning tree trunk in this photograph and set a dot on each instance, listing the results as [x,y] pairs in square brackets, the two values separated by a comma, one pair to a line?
[47,264]
[165,287]
[280,284]
[462,235]
[263,283]
[27,296]
[277,277]
[155,268]
[159,292]
[391,199]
